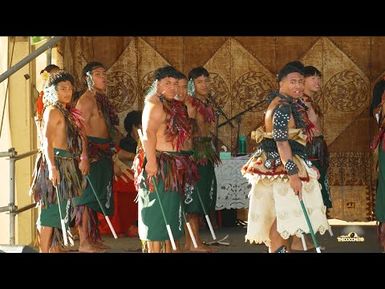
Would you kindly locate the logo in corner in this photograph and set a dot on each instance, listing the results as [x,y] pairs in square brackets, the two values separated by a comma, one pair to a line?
[350,237]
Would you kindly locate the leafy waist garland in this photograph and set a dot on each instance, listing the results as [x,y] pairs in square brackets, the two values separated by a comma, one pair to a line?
[204,109]
[97,151]
[109,113]
[204,151]
[175,169]
[179,126]
[138,166]
[71,185]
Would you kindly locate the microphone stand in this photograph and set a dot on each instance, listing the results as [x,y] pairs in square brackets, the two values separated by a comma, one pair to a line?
[218,112]
[219,109]
[239,119]
[241,113]
[216,142]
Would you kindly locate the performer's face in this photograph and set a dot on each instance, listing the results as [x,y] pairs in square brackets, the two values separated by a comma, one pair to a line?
[182,89]
[99,77]
[168,86]
[202,85]
[313,83]
[64,92]
[292,85]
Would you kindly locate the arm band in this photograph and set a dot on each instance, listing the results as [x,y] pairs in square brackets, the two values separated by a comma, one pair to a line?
[291,168]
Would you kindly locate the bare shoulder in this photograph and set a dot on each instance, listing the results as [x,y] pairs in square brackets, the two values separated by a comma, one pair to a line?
[276,101]
[189,101]
[153,103]
[152,100]
[154,108]
[192,110]
[271,108]
[52,114]
[86,100]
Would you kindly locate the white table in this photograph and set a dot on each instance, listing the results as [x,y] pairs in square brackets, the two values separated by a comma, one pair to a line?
[232,187]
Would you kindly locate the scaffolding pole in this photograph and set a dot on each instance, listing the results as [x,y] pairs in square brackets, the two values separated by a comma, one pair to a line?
[12,208]
[30,57]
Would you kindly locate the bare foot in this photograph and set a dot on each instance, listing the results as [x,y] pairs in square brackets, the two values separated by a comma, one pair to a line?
[200,249]
[300,248]
[57,249]
[100,245]
[88,248]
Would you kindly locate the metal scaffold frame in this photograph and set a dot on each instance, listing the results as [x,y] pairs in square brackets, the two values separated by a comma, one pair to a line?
[12,153]
[12,208]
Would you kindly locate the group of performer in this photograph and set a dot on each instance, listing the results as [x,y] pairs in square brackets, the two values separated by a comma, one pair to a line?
[73,177]
[169,156]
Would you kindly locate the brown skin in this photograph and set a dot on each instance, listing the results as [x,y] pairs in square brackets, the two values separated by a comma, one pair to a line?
[312,86]
[95,125]
[201,91]
[154,137]
[55,136]
[292,86]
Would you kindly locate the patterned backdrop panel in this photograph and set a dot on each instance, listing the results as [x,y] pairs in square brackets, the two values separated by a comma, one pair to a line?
[350,178]
[349,203]
[243,70]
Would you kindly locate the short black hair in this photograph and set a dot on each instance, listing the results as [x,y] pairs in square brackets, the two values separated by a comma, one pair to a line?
[91,66]
[166,71]
[49,68]
[181,75]
[378,91]
[60,76]
[132,118]
[311,71]
[293,66]
[198,71]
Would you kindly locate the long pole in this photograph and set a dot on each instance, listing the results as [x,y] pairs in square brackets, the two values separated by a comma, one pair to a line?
[62,219]
[206,215]
[168,227]
[190,231]
[318,249]
[12,215]
[103,211]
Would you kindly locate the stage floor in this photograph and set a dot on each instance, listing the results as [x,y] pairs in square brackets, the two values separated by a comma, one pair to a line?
[347,238]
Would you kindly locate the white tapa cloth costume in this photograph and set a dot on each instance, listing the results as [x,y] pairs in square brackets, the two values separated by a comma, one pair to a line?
[271,195]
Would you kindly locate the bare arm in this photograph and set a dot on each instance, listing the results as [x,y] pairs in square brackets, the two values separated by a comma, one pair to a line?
[84,164]
[280,133]
[84,105]
[192,110]
[151,121]
[286,155]
[284,151]
[52,118]
[125,156]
